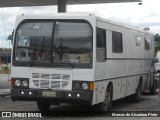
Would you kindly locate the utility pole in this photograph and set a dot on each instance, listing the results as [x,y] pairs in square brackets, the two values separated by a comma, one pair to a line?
[62,6]
[2,42]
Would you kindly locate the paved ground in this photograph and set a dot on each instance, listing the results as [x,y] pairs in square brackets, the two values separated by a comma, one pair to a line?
[148,103]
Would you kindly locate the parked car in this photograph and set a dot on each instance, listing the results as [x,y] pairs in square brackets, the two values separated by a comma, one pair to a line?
[4,79]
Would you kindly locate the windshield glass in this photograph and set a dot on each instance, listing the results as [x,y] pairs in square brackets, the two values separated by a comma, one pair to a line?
[54,42]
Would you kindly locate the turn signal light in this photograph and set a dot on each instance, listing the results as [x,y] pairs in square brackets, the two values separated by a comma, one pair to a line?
[91,86]
[12,83]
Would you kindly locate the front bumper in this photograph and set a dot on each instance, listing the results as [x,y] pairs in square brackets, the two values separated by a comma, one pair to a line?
[61,96]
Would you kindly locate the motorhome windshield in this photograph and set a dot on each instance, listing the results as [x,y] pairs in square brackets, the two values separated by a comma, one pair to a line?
[63,42]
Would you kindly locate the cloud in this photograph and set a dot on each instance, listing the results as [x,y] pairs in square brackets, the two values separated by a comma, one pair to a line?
[145,15]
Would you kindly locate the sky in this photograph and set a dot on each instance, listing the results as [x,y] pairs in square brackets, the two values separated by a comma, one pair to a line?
[145,15]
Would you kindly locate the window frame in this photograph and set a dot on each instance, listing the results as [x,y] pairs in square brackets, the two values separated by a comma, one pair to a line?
[138,40]
[49,65]
[104,43]
[113,45]
[147,44]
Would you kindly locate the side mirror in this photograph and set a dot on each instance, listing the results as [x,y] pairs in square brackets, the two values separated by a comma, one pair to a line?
[10,37]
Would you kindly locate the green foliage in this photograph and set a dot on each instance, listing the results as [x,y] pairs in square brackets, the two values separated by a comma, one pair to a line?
[4,50]
[157,42]
[4,70]
[10,37]
[157,38]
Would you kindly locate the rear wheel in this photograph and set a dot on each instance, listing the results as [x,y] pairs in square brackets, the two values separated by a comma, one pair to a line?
[128,99]
[137,96]
[153,89]
[43,106]
[107,103]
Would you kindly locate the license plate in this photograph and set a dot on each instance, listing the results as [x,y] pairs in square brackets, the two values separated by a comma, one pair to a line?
[48,94]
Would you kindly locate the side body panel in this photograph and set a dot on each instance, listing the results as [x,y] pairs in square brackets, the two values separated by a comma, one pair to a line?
[124,70]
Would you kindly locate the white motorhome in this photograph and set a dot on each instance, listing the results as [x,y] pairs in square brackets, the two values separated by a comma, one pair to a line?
[79,58]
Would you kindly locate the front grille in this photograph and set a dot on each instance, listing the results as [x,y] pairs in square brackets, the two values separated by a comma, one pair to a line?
[55,84]
[55,76]
[44,84]
[45,76]
[50,81]
[36,83]
[64,84]
[35,75]
[65,77]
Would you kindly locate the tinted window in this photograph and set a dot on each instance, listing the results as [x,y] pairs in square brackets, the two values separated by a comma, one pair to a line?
[74,35]
[101,38]
[101,44]
[147,44]
[138,41]
[54,42]
[33,41]
[117,45]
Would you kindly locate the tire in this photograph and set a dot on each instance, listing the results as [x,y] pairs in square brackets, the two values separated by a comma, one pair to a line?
[153,89]
[43,106]
[137,96]
[107,103]
[128,99]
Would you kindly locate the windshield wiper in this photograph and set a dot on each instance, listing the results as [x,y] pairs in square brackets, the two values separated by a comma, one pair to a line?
[61,55]
[61,50]
[32,60]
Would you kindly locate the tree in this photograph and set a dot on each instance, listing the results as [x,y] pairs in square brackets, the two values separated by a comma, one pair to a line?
[157,42]
[10,37]
[157,37]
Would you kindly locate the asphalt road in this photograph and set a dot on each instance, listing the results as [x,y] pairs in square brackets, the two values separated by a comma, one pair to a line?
[149,103]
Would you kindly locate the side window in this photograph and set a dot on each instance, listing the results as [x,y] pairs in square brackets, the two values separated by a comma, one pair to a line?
[147,44]
[117,43]
[138,40]
[152,44]
[101,45]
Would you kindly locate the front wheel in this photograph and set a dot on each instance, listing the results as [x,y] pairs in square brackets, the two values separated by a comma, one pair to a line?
[153,89]
[107,103]
[43,106]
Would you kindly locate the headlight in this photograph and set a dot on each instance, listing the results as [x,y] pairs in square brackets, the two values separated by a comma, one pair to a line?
[25,83]
[85,86]
[17,83]
[20,83]
[76,86]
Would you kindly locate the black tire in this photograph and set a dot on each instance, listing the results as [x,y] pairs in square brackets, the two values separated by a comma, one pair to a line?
[128,99]
[43,106]
[107,103]
[137,96]
[153,89]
